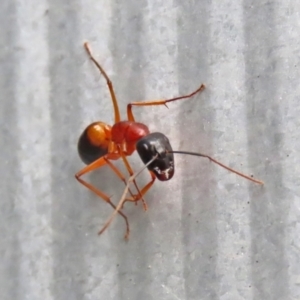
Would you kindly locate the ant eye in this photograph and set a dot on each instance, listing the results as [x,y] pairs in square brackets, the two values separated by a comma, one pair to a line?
[160,149]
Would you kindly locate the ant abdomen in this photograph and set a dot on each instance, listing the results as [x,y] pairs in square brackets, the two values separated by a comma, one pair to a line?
[94,142]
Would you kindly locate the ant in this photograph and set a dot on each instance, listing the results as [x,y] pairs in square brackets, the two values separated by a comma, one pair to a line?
[100,143]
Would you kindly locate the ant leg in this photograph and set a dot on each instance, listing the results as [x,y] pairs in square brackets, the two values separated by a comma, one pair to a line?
[143,191]
[96,165]
[159,102]
[131,173]
[108,81]
[123,198]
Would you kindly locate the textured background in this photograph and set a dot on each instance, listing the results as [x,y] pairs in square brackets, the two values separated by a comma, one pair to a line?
[208,234]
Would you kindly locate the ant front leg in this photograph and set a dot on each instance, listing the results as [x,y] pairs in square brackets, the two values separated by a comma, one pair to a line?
[159,102]
[143,191]
[139,196]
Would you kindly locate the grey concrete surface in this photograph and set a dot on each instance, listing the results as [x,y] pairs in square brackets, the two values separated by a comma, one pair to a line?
[208,234]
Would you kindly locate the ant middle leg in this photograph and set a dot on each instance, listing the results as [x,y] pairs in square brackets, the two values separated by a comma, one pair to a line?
[159,102]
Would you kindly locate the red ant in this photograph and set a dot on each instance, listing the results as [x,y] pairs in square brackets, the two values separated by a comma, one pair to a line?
[100,143]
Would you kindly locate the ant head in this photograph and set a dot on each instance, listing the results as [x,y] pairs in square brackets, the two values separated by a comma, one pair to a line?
[157,144]
[93,142]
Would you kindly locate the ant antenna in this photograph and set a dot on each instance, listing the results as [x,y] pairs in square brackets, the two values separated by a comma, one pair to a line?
[123,198]
[218,163]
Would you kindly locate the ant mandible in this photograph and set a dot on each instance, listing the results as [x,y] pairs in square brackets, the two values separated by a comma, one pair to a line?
[99,143]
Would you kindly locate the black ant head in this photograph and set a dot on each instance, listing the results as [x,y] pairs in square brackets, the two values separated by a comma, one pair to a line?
[154,144]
